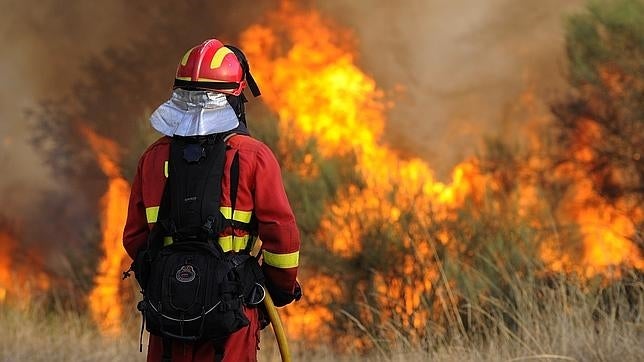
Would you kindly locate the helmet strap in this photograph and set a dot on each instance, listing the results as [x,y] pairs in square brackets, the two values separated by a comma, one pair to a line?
[254,88]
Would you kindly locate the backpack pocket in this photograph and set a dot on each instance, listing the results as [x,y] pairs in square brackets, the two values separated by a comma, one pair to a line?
[191,296]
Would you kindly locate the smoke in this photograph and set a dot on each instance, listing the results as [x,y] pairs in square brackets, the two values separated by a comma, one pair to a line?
[458,71]
[48,48]
[65,62]
[45,46]
[455,71]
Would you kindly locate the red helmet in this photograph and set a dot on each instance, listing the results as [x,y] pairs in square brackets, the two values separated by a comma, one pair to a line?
[215,66]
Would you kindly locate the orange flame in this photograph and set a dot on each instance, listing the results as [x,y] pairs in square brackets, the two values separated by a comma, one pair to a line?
[105,300]
[19,279]
[309,77]
[606,228]
[318,92]
[7,245]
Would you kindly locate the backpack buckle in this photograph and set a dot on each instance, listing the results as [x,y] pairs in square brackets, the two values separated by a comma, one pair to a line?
[211,226]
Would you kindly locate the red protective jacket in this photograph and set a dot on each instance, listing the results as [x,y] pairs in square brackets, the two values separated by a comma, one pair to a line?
[260,192]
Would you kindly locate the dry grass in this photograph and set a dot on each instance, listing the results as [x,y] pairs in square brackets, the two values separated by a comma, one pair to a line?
[554,323]
[36,335]
[561,322]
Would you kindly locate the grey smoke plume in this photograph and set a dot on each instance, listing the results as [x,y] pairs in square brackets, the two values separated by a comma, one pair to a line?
[44,47]
[463,64]
[45,53]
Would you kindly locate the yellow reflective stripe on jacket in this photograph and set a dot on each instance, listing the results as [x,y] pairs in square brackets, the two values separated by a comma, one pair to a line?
[165,169]
[227,243]
[290,260]
[234,243]
[152,214]
[241,216]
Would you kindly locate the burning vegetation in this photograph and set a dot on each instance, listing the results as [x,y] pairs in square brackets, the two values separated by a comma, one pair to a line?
[107,298]
[22,275]
[392,228]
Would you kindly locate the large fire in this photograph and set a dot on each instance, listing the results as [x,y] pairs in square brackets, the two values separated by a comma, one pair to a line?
[308,74]
[309,77]
[105,300]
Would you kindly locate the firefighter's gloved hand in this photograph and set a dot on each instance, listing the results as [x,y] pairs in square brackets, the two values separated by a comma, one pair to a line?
[297,292]
[282,298]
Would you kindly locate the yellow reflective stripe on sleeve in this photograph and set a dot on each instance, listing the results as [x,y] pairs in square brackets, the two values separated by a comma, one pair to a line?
[241,216]
[233,243]
[290,260]
[152,213]
[167,240]
[165,169]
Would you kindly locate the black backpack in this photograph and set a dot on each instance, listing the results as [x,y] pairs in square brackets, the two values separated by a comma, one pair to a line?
[192,290]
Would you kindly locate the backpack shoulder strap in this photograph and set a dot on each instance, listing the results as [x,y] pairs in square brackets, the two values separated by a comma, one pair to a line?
[251,226]
[234,182]
[163,226]
[190,206]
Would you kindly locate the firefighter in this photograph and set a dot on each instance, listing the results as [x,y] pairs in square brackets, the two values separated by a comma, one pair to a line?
[207,99]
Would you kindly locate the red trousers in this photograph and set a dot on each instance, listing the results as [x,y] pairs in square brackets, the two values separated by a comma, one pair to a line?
[241,346]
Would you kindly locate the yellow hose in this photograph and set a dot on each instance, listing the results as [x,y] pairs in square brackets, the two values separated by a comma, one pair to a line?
[278,328]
